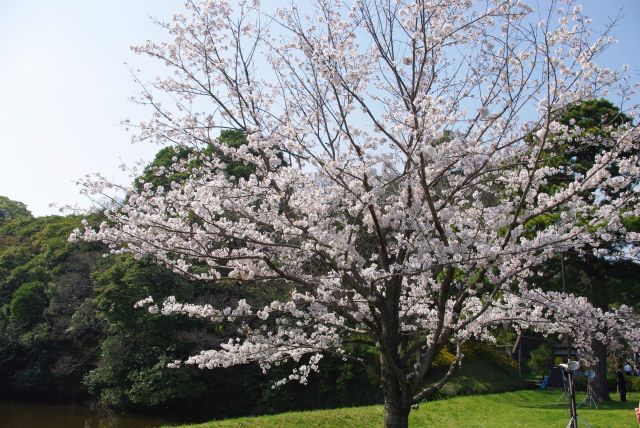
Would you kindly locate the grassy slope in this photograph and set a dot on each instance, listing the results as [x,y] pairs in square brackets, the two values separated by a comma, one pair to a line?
[482,377]
[510,409]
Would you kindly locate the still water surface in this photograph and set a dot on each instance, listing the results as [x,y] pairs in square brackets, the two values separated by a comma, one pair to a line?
[27,415]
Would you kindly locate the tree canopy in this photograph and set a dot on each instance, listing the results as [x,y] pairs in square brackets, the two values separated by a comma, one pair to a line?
[12,209]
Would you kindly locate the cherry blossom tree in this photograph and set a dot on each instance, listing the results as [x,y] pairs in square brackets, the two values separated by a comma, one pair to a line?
[397,177]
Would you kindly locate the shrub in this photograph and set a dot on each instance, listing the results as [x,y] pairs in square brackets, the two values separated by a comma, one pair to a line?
[27,304]
[541,359]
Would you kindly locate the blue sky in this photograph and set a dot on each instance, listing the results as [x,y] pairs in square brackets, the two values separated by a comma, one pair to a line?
[64,88]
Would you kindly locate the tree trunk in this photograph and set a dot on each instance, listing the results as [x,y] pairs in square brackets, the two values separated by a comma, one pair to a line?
[600,299]
[599,384]
[395,415]
[397,404]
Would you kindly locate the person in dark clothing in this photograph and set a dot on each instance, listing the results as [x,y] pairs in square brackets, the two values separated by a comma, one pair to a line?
[622,384]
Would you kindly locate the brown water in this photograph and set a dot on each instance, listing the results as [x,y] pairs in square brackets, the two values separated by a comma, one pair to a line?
[26,415]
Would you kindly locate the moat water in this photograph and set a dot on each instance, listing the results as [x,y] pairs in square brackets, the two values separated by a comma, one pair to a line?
[28,415]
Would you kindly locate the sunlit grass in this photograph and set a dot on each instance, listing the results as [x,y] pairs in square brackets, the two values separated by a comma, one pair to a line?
[509,409]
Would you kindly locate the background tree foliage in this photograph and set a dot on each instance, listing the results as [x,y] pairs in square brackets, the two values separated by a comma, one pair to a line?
[44,280]
[607,282]
[12,209]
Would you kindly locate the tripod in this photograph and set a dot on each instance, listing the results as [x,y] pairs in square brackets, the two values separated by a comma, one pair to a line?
[588,400]
[573,410]
[573,422]
[564,387]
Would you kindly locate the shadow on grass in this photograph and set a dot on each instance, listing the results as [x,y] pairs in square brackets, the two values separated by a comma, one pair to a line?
[545,406]
[562,405]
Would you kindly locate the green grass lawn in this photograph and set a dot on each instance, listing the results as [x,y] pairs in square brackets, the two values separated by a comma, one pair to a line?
[509,409]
